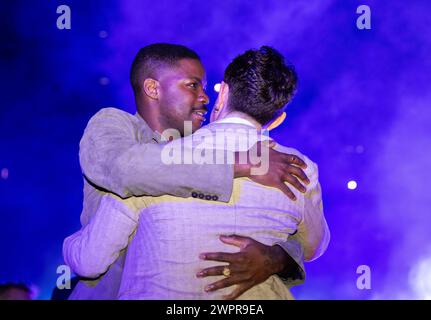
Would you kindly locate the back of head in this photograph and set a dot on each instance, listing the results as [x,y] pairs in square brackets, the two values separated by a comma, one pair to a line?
[155,56]
[260,83]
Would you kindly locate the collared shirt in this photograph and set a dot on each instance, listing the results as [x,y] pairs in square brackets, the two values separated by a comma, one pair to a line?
[237,120]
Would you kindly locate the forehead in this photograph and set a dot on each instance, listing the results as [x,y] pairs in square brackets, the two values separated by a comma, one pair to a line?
[185,68]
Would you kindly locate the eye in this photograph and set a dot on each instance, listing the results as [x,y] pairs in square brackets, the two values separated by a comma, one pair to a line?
[193,85]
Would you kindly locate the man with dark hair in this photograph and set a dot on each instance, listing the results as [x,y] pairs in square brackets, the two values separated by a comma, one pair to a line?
[151,58]
[147,68]
[263,90]
[120,155]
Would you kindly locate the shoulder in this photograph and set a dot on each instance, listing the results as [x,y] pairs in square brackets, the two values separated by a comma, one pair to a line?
[110,121]
[112,114]
[108,125]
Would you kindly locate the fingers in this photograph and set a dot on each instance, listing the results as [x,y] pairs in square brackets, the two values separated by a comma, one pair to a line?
[295,160]
[224,283]
[294,182]
[213,271]
[235,240]
[239,290]
[218,271]
[286,191]
[218,256]
[238,262]
[299,173]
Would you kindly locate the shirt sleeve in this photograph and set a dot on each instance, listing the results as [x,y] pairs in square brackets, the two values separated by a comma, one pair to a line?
[313,231]
[91,251]
[113,158]
[312,236]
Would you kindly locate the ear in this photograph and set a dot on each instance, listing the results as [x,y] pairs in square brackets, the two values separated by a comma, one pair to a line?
[220,102]
[222,97]
[151,88]
[275,123]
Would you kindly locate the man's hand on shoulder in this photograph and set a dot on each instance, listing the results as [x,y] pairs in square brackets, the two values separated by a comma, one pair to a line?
[282,167]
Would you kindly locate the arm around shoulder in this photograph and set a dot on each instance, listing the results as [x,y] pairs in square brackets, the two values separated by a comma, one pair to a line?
[116,156]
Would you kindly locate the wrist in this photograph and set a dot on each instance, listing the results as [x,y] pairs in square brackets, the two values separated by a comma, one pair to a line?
[282,262]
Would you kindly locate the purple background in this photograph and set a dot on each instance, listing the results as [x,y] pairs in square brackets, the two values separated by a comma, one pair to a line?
[362,113]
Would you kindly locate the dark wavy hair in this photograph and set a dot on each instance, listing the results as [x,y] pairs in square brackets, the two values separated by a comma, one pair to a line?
[260,83]
[151,58]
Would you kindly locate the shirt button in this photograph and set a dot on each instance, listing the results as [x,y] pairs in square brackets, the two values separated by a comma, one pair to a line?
[194,194]
[208,197]
[215,198]
[201,196]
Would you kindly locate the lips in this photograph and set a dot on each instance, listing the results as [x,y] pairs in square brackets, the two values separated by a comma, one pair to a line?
[199,114]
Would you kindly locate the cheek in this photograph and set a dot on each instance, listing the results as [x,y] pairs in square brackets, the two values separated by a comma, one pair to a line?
[180,110]
[183,99]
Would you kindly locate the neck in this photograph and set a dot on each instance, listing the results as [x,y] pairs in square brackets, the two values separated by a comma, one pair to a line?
[244,116]
[148,113]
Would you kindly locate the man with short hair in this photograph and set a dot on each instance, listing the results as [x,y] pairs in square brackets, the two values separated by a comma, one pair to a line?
[120,156]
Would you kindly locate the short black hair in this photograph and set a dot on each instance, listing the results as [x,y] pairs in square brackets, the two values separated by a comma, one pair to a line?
[260,83]
[150,58]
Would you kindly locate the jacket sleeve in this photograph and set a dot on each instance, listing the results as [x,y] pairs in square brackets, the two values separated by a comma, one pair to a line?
[113,158]
[90,251]
[294,249]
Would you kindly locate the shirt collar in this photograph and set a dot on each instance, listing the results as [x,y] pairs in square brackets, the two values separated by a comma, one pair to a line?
[157,137]
[236,120]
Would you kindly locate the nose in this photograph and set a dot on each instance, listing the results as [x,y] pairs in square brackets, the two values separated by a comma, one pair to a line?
[203,97]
